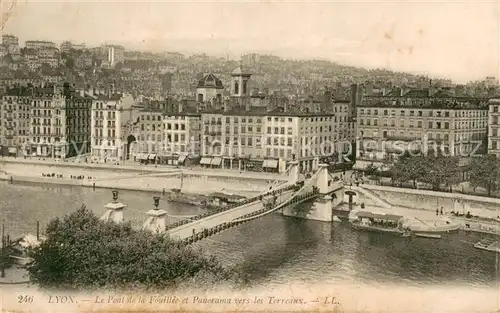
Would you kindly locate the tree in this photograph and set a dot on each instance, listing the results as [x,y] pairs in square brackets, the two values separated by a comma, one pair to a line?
[82,252]
[484,172]
[409,169]
[440,169]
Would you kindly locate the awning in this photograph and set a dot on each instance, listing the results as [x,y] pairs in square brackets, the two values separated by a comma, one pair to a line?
[216,161]
[270,163]
[205,161]
[12,150]
[142,156]
[152,156]
[182,158]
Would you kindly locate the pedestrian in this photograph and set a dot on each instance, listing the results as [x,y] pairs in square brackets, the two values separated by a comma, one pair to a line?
[437,211]
[441,210]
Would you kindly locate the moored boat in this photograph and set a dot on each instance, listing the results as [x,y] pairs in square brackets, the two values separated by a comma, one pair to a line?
[424,235]
[179,197]
[219,200]
[384,223]
[488,244]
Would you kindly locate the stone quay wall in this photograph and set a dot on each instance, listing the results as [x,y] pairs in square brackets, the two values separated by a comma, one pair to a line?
[137,178]
[432,200]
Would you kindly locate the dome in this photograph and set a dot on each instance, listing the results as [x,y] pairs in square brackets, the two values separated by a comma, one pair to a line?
[210,81]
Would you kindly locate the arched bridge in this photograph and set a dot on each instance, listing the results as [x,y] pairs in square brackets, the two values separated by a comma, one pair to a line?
[288,194]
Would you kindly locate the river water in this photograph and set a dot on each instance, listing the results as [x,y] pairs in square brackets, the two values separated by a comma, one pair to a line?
[274,249]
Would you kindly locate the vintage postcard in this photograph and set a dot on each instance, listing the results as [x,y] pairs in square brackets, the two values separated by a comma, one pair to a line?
[249,156]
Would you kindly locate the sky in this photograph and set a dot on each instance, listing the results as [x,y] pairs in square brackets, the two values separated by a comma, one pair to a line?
[458,40]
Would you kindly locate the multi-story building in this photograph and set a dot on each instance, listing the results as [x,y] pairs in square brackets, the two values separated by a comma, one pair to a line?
[255,134]
[150,144]
[494,127]
[260,140]
[111,112]
[114,54]
[15,111]
[66,46]
[78,122]
[416,121]
[48,123]
[39,44]
[182,128]
[11,43]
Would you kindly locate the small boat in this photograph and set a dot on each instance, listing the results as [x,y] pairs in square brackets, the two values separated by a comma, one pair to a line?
[384,223]
[488,244]
[221,200]
[424,235]
[178,197]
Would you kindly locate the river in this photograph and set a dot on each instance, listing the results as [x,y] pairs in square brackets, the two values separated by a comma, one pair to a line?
[274,249]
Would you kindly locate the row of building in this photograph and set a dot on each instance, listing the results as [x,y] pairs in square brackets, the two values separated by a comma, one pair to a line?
[242,130]
[39,52]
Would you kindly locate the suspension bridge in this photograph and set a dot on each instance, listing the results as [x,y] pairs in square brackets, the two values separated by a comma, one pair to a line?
[320,188]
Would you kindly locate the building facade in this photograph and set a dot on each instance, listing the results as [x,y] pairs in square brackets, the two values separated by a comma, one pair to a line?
[78,122]
[39,44]
[111,113]
[11,43]
[494,127]
[253,140]
[15,120]
[389,125]
[182,137]
[48,123]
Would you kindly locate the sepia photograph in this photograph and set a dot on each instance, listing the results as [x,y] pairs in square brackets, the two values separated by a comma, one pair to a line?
[249,156]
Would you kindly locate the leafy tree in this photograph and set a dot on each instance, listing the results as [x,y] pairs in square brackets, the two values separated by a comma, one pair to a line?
[440,169]
[484,172]
[82,252]
[409,168]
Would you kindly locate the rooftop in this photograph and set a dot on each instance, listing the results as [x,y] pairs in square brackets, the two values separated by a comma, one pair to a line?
[210,81]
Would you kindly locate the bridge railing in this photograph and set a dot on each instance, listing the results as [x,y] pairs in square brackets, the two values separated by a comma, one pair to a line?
[247,217]
[229,207]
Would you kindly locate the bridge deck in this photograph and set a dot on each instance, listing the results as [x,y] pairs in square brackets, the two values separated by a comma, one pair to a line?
[184,231]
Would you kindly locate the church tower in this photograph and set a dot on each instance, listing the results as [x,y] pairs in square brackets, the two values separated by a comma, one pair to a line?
[240,83]
[240,89]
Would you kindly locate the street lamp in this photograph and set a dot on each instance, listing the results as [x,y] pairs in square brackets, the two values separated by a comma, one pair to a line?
[115,196]
[156,202]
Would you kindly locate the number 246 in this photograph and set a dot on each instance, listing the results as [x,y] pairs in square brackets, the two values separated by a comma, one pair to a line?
[25,299]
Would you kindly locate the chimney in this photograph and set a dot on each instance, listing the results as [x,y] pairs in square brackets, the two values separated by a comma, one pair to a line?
[181,105]
[82,93]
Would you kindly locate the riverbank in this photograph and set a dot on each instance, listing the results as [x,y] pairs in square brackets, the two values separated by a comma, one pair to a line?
[137,178]
[422,204]
[141,168]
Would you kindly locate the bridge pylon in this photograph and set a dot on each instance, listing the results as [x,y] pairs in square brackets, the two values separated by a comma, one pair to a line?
[293,172]
[321,209]
[322,179]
